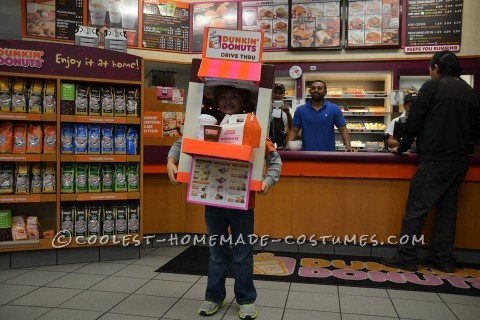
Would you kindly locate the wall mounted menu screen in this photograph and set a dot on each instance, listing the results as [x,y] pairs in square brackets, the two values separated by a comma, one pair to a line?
[211,14]
[269,16]
[315,24]
[373,23]
[165,25]
[433,25]
[123,14]
[54,19]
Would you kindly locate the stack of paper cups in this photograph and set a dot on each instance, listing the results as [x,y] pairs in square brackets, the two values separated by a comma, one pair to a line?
[203,120]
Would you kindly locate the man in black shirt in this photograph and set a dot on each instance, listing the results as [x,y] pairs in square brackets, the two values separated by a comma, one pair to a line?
[441,120]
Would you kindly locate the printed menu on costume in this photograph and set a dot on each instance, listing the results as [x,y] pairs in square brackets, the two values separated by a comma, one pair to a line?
[211,14]
[219,183]
[269,16]
[373,23]
[109,14]
[165,25]
[54,19]
[433,25]
[315,24]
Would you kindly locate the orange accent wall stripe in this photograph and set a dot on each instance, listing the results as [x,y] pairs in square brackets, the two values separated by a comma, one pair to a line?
[344,170]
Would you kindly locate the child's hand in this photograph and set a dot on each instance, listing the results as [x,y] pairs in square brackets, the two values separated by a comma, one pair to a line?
[172,170]
[265,188]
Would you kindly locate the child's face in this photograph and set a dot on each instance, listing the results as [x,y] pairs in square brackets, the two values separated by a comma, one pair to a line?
[230,101]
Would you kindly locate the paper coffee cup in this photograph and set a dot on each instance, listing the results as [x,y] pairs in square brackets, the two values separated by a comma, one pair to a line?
[211,132]
[98,11]
[203,120]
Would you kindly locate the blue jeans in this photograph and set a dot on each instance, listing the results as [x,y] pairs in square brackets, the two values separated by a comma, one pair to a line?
[241,225]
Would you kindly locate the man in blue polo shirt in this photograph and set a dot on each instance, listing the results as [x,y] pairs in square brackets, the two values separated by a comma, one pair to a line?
[316,119]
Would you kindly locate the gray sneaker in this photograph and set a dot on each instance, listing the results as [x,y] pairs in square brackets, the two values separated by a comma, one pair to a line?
[208,308]
[247,311]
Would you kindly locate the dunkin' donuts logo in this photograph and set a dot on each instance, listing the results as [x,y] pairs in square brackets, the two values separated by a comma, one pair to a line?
[21,58]
[233,42]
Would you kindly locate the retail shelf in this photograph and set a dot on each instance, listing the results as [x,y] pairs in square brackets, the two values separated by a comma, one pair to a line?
[353,96]
[28,116]
[363,114]
[28,157]
[74,242]
[100,196]
[100,119]
[27,198]
[362,131]
[29,244]
[98,158]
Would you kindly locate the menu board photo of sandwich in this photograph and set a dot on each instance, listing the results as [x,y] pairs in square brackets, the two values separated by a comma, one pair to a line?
[269,16]
[373,23]
[315,24]
[211,14]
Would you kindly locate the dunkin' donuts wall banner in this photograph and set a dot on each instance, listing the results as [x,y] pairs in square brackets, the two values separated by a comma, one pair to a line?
[58,59]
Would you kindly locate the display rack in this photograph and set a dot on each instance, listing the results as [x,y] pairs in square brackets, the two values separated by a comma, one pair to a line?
[368,105]
[125,70]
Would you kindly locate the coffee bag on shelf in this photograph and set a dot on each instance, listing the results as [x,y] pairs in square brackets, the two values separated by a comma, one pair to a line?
[6,137]
[81,100]
[94,103]
[132,102]
[19,97]
[50,138]
[119,102]
[35,96]
[34,138]
[19,138]
[106,96]
[5,95]
[50,97]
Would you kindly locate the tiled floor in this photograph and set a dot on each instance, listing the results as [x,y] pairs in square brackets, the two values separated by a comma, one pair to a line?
[132,290]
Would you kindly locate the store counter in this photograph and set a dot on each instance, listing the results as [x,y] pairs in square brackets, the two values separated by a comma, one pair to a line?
[319,194]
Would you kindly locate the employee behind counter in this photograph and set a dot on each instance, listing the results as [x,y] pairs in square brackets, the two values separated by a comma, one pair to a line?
[396,128]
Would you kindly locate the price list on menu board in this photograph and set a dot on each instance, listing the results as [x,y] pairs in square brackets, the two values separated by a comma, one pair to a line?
[269,16]
[166,25]
[54,19]
[373,23]
[69,17]
[433,25]
[315,24]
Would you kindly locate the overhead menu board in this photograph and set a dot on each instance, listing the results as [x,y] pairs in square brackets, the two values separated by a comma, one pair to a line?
[269,16]
[165,25]
[103,14]
[211,14]
[373,23]
[433,25]
[315,24]
[54,19]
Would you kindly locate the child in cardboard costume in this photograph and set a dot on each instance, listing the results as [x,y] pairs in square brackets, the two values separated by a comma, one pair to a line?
[231,98]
